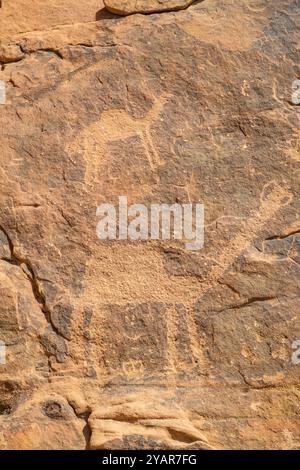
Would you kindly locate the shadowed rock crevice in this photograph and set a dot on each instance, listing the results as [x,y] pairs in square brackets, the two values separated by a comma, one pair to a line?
[26,266]
[83,415]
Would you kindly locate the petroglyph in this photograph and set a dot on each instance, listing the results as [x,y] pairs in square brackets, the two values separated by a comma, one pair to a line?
[273,198]
[270,204]
[276,198]
[116,125]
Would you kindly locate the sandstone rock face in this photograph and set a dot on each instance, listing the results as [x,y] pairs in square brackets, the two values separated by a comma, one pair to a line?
[125,344]
[128,7]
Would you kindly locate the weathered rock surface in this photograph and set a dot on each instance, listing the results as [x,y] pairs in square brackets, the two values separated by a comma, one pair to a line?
[128,7]
[148,345]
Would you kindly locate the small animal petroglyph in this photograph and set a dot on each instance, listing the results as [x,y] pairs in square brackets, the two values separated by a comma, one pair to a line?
[122,125]
[117,124]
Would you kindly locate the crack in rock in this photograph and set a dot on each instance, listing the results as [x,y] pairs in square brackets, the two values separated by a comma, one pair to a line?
[52,340]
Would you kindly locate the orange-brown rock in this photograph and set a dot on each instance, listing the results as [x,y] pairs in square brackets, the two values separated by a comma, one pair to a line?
[128,7]
[126,344]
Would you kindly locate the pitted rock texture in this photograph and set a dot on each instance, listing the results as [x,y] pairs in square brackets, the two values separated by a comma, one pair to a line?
[128,7]
[146,344]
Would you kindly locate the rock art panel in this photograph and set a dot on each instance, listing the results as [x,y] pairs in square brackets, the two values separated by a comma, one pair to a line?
[126,344]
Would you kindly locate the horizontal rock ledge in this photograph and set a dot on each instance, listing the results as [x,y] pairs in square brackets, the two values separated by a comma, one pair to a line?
[129,7]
